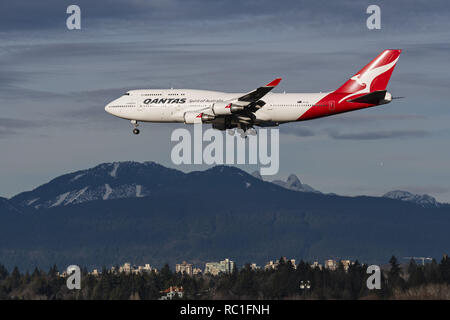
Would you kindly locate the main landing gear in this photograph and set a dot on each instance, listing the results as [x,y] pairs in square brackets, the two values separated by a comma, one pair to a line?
[243,132]
[135,125]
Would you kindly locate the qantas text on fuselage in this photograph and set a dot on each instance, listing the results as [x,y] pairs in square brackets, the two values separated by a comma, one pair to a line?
[260,107]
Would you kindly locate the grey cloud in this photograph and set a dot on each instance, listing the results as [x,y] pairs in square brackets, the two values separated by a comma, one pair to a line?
[89,105]
[145,58]
[64,50]
[297,130]
[22,14]
[426,47]
[377,135]
[9,80]
[12,83]
[334,134]
[99,94]
[15,92]
[11,126]
[425,80]
[6,133]
[7,123]
[88,115]
[309,130]
[364,119]
[380,117]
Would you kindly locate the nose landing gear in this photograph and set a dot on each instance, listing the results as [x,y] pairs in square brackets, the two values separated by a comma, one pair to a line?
[135,125]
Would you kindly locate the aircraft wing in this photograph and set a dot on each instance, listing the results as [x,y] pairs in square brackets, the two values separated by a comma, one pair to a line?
[241,109]
[257,94]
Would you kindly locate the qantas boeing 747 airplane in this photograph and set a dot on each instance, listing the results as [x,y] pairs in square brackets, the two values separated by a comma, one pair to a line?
[260,107]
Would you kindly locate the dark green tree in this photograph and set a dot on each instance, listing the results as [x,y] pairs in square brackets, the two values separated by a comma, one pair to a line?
[432,272]
[166,277]
[395,279]
[3,272]
[444,268]
[13,281]
[416,274]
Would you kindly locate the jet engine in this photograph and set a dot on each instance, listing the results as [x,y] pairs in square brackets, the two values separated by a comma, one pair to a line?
[225,108]
[196,117]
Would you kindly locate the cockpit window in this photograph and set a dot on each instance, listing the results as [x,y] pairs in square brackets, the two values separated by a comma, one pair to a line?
[126,94]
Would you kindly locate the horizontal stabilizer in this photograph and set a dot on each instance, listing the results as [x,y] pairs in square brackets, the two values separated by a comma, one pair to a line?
[375,97]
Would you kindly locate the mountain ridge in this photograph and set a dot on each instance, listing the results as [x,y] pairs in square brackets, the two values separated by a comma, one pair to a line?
[205,216]
[424,200]
[99,182]
[130,179]
[6,206]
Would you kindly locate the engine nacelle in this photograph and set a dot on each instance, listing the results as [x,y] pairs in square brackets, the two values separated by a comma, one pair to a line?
[224,108]
[221,108]
[196,117]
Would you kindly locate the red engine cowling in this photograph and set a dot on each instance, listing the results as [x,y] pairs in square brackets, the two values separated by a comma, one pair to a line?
[224,108]
[197,117]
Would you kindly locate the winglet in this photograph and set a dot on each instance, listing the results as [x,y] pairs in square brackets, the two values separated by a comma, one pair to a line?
[274,83]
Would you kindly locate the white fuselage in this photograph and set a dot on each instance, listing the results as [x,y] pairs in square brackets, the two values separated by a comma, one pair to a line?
[171,105]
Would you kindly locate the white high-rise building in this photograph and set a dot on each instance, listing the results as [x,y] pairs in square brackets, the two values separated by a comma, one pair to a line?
[184,268]
[214,268]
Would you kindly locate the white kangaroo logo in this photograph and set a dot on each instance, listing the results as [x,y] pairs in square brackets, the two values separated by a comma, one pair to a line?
[357,78]
[367,77]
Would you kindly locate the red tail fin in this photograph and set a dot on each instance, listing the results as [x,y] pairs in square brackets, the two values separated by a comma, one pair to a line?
[374,76]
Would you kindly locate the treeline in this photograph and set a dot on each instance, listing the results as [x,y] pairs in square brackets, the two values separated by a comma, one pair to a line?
[431,281]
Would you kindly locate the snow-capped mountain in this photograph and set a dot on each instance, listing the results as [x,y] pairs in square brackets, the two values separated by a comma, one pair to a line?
[124,180]
[294,183]
[6,206]
[421,199]
[103,182]
[291,183]
[120,210]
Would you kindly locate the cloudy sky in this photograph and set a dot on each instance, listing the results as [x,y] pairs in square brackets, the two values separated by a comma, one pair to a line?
[54,84]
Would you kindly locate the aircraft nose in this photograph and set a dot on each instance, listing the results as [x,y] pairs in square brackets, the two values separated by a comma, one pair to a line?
[112,107]
[108,108]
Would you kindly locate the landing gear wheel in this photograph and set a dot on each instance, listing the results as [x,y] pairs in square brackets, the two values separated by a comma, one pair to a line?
[252,131]
[242,132]
[135,125]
